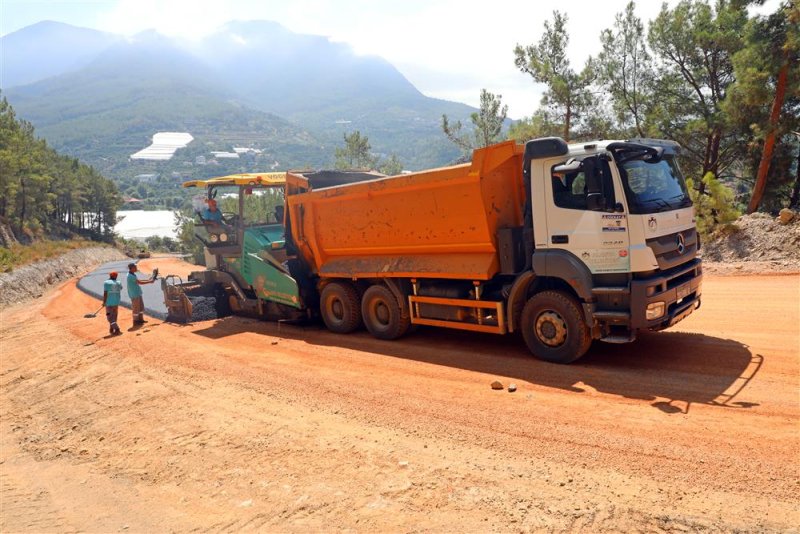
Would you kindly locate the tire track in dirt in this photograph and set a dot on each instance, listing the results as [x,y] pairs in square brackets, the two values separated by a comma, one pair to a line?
[25,508]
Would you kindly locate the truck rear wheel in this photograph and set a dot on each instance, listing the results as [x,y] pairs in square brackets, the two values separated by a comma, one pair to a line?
[553,327]
[382,314]
[340,308]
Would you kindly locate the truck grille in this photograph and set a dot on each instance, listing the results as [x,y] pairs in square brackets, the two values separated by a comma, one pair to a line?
[674,249]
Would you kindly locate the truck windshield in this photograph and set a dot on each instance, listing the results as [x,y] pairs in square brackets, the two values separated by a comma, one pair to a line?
[654,187]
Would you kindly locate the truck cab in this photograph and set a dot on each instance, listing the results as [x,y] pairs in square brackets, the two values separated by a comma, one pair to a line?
[617,217]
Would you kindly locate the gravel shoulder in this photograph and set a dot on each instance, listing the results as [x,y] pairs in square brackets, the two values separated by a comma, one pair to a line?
[241,425]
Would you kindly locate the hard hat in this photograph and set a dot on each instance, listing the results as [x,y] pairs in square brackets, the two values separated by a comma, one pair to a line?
[113,274]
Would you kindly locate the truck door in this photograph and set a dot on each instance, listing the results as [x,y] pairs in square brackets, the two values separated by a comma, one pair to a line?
[584,215]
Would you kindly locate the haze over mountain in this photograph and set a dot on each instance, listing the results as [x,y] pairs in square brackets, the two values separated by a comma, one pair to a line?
[48,49]
[250,84]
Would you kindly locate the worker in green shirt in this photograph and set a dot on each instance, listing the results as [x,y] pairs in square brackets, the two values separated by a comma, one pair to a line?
[135,293]
[112,291]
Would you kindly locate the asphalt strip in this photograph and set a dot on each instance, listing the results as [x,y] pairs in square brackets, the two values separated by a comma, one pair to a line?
[92,284]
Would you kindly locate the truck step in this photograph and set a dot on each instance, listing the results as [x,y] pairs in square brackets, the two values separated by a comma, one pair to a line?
[614,316]
[619,339]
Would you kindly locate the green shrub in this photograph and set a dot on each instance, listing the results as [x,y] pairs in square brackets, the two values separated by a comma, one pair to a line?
[7,259]
[715,207]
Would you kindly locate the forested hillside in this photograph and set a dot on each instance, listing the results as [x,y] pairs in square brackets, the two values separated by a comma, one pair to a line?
[43,192]
[290,95]
[138,88]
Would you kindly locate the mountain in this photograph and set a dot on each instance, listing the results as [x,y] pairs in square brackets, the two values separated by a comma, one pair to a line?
[48,49]
[329,89]
[111,108]
[251,83]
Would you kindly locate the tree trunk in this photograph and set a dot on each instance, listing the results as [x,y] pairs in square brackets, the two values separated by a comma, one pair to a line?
[795,198]
[22,209]
[713,163]
[639,126]
[711,157]
[769,141]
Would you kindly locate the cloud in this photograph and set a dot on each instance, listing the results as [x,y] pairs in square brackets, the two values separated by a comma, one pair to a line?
[446,48]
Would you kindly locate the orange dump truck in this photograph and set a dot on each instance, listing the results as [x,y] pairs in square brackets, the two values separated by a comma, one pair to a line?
[564,244]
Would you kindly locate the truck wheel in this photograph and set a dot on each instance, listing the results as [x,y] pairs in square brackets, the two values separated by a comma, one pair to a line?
[383,316]
[553,327]
[339,307]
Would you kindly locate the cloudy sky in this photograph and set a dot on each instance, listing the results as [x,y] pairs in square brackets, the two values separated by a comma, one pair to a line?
[447,48]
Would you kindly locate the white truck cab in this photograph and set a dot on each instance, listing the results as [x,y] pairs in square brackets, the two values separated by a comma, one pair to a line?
[615,221]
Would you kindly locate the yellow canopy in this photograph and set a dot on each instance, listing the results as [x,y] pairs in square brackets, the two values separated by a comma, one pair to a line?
[252,178]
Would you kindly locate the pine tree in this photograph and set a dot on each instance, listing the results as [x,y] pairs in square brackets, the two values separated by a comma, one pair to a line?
[568,93]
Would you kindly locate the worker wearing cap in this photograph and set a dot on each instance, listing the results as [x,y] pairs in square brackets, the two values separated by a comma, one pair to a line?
[211,213]
[112,291]
[135,293]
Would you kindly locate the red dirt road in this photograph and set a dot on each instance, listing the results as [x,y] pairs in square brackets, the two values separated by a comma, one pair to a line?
[241,425]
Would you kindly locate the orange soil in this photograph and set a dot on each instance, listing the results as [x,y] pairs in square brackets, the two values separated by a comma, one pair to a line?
[238,425]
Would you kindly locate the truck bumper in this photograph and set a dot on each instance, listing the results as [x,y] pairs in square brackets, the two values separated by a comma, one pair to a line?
[678,291]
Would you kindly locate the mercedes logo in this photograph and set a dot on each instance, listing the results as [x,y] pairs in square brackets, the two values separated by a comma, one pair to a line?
[681,243]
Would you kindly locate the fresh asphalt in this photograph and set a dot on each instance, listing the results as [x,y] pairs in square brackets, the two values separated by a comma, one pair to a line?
[92,284]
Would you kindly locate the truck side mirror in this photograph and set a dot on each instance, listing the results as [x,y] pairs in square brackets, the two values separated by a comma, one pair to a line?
[595,200]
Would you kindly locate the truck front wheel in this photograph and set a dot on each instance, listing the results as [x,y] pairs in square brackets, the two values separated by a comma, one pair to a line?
[340,308]
[553,327]
[383,316]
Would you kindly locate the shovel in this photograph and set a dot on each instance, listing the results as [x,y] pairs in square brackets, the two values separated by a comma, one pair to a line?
[92,315]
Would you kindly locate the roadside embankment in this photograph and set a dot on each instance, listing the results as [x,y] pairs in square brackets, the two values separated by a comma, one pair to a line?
[755,244]
[31,281]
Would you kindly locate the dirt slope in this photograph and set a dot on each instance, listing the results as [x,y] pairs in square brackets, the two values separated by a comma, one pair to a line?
[755,243]
[32,281]
[240,425]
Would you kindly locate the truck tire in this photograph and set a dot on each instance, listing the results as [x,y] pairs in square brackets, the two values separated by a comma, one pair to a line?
[553,327]
[340,308]
[382,314]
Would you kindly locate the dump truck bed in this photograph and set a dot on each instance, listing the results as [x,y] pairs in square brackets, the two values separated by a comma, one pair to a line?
[441,223]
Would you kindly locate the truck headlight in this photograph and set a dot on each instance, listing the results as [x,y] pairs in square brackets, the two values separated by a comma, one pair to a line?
[223,237]
[213,238]
[655,310]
